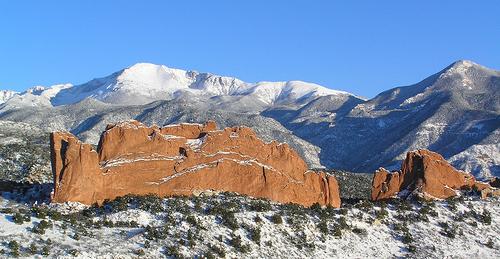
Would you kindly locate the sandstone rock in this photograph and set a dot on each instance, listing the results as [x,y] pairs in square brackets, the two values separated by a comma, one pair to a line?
[423,172]
[184,159]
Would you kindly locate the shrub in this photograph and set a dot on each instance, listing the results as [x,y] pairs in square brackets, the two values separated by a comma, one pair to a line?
[54,215]
[486,217]
[14,245]
[400,227]
[407,237]
[73,252]
[412,248]
[255,234]
[316,208]
[337,230]
[360,231]
[293,209]
[490,243]
[448,230]
[32,249]
[276,219]
[6,210]
[381,214]
[365,205]
[229,220]
[452,203]
[192,220]
[18,218]
[39,212]
[343,223]
[404,205]
[151,203]
[260,206]
[220,251]
[46,250]
[190,238]
[140,252]
[257,219]
[238,245]
[323,227]
[173,251]
[152,233]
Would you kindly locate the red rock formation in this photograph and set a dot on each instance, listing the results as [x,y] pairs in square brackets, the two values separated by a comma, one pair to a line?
[181,160]
[424,172]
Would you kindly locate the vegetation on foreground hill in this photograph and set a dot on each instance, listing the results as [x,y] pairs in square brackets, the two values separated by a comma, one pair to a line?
[228,225]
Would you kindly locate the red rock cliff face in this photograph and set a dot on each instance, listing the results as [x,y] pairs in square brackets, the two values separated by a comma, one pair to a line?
[181,160]
[425,173]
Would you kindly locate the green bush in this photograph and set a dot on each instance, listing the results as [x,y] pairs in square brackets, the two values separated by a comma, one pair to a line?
[173,251]
[46,250]
[381,214]
[229,220]
[337,230]
[140,252]
[32,249]
[255,234]
[486,217]
[360,231]
[407,238]
[18,218]
[490,243]
[276,218]
[155,233]
[323,227]
[343,223]
[39,212]
[238,244]
[260,205]
[73,252]
[14,248]
[220,251]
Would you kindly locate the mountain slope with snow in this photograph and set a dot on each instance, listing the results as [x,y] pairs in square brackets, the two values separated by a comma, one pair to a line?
[6,95]
[455,112]
[448,112]
[144,83]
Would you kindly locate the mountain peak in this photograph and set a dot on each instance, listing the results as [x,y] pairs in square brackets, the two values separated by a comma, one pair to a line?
[464,63]
[462,66]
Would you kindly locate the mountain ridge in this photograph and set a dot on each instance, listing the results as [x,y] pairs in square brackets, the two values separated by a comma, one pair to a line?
[455,112]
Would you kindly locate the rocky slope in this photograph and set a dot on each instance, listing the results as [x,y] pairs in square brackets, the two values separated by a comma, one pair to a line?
[455,112]
[183,159]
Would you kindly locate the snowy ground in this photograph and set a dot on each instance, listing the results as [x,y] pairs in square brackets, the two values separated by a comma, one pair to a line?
[226,225]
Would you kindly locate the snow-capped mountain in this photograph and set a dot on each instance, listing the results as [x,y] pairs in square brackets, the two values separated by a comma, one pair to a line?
[6,95]
[144,83]
[455,112]
[448,112]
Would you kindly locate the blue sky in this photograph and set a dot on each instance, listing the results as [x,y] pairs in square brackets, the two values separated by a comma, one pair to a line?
[363,47]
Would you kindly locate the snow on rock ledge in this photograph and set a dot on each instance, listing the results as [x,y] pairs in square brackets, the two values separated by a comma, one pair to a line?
[132,158]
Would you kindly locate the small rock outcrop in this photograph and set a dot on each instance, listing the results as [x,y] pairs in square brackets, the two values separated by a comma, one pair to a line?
[427,174]
[184,159]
